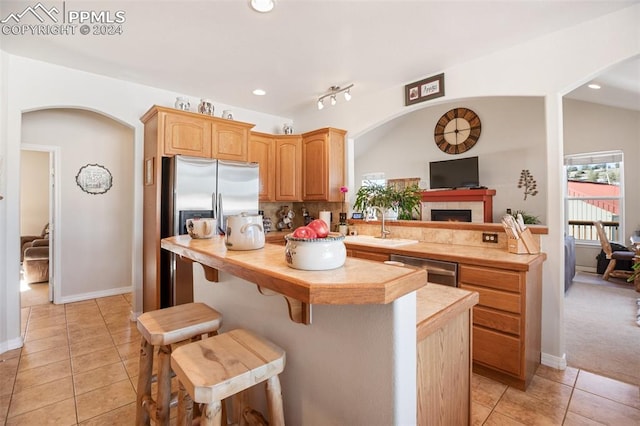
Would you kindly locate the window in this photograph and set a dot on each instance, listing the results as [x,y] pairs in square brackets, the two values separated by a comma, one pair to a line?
[594,191]
[373,179]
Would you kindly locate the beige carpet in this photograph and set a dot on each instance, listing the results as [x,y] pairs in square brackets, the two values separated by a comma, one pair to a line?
[601,331]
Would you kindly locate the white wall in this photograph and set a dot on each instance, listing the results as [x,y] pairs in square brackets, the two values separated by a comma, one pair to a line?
[531,69]
[95,256]
[36,85]
[512,139]
[548,67]
[34,192]
[591,128]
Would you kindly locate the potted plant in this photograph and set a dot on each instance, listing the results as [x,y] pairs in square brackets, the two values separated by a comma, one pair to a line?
[405,202]
[528,218]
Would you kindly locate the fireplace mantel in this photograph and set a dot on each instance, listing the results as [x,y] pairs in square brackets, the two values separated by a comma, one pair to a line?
[457,195]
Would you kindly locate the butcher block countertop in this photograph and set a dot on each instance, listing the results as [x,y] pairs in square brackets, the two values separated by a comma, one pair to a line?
[358,282]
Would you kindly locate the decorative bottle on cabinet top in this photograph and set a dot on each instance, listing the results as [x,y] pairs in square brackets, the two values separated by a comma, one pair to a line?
[206,107]
[182,103]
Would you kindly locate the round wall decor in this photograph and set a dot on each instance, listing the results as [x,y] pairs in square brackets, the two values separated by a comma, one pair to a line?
[94,179]
[457,131]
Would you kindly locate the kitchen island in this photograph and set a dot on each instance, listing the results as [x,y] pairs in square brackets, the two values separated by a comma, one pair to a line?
[353,352]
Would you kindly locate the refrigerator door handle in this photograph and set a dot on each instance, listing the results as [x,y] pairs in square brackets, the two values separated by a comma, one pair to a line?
[219,215]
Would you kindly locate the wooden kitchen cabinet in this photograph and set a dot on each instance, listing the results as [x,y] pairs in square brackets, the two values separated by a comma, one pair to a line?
[198,135]
[185,135]
[262,150]
[288,170]
[323,170]
[280,159]
[230,140]
[506,322]
[370,255]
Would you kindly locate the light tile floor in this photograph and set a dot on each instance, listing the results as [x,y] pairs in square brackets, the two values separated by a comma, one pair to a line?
[79,366]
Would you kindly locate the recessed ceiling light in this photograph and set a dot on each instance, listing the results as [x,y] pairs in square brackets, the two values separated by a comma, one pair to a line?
[594,86]
[262,6]
[259,92]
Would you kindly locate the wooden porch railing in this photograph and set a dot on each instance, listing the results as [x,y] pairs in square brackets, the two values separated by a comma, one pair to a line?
[584,230]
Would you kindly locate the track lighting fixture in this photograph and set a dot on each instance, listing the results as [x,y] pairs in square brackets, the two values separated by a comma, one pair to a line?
[333,92]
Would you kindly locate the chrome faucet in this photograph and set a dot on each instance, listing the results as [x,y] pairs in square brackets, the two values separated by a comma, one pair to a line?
[383,231]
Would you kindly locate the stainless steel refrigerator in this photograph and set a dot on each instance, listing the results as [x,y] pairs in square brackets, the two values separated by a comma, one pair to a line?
[199,187]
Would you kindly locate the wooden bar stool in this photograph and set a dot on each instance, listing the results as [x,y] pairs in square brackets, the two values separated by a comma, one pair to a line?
[161,328]
[223,366]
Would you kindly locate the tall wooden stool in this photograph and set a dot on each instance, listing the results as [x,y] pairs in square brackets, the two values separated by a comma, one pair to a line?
[225,365]
[161,328]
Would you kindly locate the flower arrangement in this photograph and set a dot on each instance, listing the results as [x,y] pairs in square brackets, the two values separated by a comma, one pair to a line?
[344,190]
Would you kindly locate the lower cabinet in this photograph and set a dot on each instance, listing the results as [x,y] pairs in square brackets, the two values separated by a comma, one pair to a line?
[506,321]
[444,341]
[370,255]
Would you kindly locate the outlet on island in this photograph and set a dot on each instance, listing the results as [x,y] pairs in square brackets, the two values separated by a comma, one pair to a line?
[489,237]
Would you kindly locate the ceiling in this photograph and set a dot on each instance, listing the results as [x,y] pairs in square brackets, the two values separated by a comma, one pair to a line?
[222,49]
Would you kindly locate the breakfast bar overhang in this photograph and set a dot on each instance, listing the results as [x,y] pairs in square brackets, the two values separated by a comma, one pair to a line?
[353,350]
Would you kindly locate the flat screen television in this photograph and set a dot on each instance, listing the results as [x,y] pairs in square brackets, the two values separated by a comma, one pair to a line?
[459,173]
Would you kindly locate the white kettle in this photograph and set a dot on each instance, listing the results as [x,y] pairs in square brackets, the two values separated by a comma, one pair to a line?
[244,232]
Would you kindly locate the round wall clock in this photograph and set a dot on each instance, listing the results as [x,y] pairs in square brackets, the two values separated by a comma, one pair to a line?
[457,131]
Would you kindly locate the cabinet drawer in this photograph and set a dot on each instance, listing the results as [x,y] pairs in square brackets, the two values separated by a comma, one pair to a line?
[502,300]
[380,257]
[500,321]
[488,277]
[497,350]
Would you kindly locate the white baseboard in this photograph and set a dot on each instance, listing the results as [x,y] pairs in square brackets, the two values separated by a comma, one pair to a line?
[133,316]
[559,363]
[586,269]
[9,345]
[94,295]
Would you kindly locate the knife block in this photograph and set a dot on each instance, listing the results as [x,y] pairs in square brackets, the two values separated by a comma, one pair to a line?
[526,244]
[516,246]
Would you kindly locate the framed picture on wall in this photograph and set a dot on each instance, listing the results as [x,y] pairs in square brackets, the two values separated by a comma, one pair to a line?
[423,90]
[94,179]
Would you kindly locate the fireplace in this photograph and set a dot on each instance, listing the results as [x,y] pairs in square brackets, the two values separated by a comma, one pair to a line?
[479,201]
[451,215]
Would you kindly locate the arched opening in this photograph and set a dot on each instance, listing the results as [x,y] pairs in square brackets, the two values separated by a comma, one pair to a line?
[91,233]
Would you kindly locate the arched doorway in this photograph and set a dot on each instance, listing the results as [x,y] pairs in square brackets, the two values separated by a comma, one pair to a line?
[92,232]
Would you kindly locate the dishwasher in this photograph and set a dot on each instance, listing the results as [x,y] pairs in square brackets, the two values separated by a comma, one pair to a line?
[438,271]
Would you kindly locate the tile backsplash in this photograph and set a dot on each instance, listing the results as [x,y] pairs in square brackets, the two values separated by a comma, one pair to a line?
[275,211]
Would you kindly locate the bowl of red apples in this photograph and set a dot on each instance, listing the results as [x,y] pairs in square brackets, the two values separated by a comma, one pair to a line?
[313,248]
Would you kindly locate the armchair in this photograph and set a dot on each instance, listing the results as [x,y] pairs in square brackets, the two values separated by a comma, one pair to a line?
[26,240]
[36,261]
[613,256]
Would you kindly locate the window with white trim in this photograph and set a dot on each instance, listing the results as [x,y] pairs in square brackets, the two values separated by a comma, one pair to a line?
[594,190]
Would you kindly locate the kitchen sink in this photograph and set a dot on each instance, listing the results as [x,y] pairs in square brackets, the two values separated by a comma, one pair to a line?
[377,241]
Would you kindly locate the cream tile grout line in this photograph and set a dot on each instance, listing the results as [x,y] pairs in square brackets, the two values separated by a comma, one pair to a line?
[566,409]
[66,324]
[104,308]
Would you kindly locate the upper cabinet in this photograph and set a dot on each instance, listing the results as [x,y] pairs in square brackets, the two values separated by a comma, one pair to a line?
[188,133]
[288,169]
[323,164]
[185,135]
[230,140]
[280,159]
[262,150]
